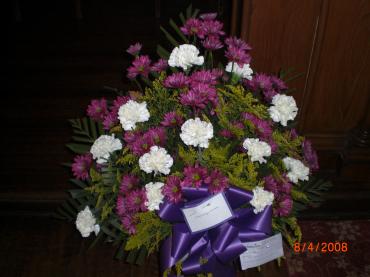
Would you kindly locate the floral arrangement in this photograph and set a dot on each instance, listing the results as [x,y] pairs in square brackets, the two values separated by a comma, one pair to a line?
[192,130]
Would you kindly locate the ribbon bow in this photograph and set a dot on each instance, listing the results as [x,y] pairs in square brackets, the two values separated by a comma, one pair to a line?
[212,250]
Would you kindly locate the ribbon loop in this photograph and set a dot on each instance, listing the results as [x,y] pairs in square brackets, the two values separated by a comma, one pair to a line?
[212,250]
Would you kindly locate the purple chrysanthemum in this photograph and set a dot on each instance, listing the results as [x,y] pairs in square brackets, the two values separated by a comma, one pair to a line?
[128,183]
[283,206]
[97,109]
[278,84]
[141,146]
[212,43]
[172,189]
[261,82]
[194,176]
[176,80]
[269,94]
[140,66]
[110,121]
[81,166]
[120,205]
[310,155]
[204,77]
[262,127]
[156,136]
[193,99]
[135,201]
[238,56]
[134,49]
[117,103]
[160,65]
[129,223]
[131,136]
[172,119]
[199,96]
[213,28]
[237,43]
[193,27]
[208,16]
[216,182]
[293,133]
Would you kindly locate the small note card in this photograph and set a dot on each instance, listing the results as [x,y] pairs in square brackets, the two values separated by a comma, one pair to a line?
[262,251]
[208,213]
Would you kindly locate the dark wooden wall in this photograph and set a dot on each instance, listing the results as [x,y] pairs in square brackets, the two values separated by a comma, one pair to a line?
[62,53]
[329,42]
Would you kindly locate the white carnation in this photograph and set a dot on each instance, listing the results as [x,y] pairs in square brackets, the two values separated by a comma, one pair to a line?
[296,170]
[185,56]
[261,199]
[196,132]
[257,149]
[244,72]
[131,113]
[284,108]
[85,223]
[157,160]
[154,195]
[104,146]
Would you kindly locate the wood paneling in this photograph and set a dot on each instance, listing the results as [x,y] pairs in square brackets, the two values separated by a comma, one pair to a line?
[329,42]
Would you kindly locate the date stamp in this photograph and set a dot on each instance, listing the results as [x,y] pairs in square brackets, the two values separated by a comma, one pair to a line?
[321,247]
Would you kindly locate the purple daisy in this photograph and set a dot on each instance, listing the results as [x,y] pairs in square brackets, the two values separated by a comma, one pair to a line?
[118,102]
[293,133]
[81,166]
[98,109]
[283,206]
[216,182]
[131,136]
[261,82]
[278,84]
[172,119]
[213,28]
[135,201]
[172,189]
[176,80]
[134,49]
[193,27]
[237,43]
[141,146]
[156,136]
[204,77]
[110,121]
[129,223]
[269,94]
[140,66]
[238,56]
[212,43]
[120,205]
[208,16]
[194,100]
[160,65]
[194,176]
[128,183]
[310,155]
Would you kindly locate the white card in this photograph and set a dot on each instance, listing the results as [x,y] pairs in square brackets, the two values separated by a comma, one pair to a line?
[208,213]
[262,251]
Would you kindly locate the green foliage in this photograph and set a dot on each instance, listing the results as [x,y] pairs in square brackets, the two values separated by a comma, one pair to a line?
[291,147]
[159,101]
[288,227]
[150,231]
[236,100]
[188,156]
[85,132]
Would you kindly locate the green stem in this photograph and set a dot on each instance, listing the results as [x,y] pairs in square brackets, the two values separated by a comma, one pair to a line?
[138,85]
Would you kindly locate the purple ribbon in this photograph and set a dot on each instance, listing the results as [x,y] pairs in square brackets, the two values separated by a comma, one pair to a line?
[218,246]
